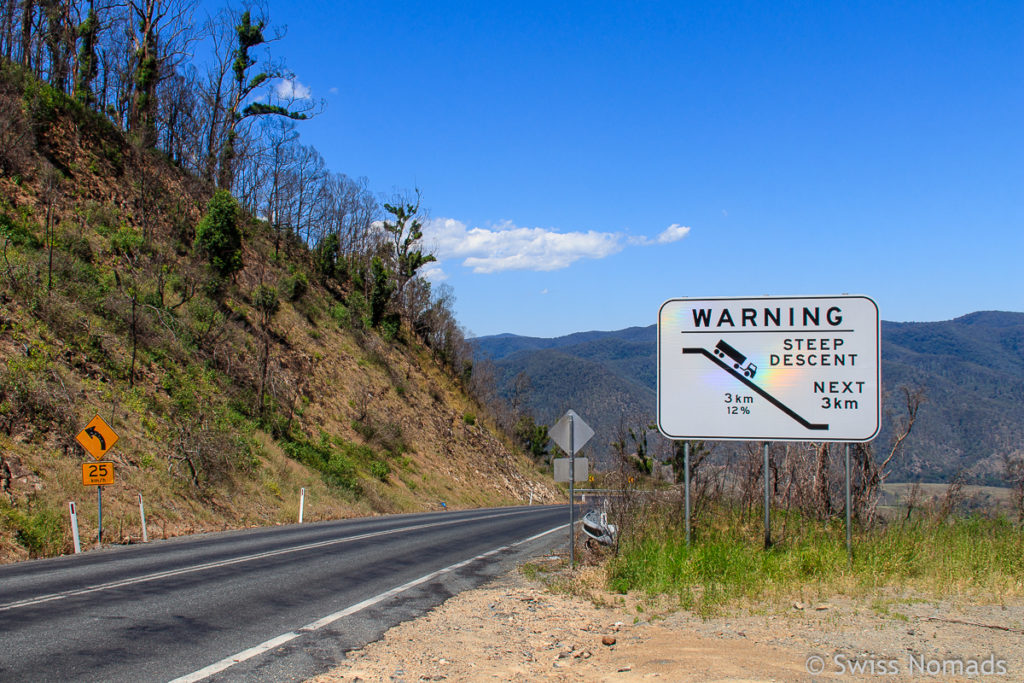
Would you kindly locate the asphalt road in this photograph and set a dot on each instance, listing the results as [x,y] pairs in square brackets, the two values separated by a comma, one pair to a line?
[275,604]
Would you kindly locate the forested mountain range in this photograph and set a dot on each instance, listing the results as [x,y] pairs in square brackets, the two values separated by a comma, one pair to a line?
[971,370]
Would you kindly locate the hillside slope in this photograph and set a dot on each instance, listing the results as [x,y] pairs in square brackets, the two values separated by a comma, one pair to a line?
[971,368]
[229,394]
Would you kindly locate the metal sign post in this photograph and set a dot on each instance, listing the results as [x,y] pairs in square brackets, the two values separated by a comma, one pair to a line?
[571,433]
[97,439]
[572,493]
[767,502]
[849,541]
[686,483]
[99,508]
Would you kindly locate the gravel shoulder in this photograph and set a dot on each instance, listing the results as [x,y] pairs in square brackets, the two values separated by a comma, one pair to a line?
[519,628]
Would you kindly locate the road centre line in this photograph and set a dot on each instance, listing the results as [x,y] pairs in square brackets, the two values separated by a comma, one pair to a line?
[238,560]
[280,640]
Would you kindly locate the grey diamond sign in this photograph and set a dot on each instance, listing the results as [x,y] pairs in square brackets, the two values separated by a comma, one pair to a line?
[581,432]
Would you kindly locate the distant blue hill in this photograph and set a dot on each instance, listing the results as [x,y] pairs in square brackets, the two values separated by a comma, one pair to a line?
[971,368]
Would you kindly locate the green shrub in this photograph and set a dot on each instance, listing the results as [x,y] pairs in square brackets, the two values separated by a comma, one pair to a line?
[340,315]
[126,240]
[40,531]
[359,312]
[469,418]
[80,248]
[264,298]
[17,233]
[364,428]
[389,327]
[380,470]
[218,235]
[295,286]
[101,217]
[335,462]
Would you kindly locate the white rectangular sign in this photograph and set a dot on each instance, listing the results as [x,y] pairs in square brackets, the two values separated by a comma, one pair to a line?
[769,368]
[581,465]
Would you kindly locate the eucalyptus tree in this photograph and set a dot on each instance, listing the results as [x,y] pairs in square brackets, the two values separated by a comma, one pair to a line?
[242,105]
[162,31]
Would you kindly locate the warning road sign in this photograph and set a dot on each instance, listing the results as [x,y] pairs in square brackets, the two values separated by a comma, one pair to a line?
[571,428]
[97,438]
[98,473]
[769,368]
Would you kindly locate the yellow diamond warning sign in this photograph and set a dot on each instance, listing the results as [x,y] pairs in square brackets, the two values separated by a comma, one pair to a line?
[97,438]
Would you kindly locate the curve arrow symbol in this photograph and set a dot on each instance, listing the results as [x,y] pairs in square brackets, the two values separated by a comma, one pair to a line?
[91,431]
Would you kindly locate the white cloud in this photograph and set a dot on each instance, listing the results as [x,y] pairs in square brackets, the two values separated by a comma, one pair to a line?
[509,247]
[673,233]
[432,272]
[333,91]
[291,89]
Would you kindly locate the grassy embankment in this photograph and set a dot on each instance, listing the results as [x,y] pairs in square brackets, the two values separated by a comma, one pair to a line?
[726,564]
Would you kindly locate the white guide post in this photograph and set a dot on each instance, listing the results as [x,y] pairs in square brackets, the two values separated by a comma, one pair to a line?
[74,528]
[142,515]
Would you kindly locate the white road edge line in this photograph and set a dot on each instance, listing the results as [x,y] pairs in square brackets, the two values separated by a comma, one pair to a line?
[273,643]
[225,563]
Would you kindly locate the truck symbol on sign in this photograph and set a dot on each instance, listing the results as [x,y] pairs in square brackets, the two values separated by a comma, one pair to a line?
[740,361]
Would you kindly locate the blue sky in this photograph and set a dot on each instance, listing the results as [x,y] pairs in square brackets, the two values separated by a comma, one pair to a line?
[584,162]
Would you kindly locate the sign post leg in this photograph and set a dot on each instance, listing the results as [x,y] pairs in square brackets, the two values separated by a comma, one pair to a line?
[302,503]
[99,508]
[767,501]
[686,484]
[572,494]
[849,541]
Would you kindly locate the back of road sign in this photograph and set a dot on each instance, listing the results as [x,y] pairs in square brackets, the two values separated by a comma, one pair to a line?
[581,469]
[769,368]
[581,433]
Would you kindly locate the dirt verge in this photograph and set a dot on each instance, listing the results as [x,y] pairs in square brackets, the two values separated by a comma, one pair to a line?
[516,628]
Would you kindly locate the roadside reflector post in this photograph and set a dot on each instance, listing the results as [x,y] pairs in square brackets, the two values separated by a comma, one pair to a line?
[74,527]
[302,503]
[142,514]
[531,497]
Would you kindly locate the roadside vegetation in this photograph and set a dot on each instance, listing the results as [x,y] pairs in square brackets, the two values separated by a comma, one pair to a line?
[726,564]
[908,542]
[249,322]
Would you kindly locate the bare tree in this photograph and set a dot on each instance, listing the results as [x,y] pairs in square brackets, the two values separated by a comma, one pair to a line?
[872,473]
[162,33]
[52,179]
[1013,466]
[822,493]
